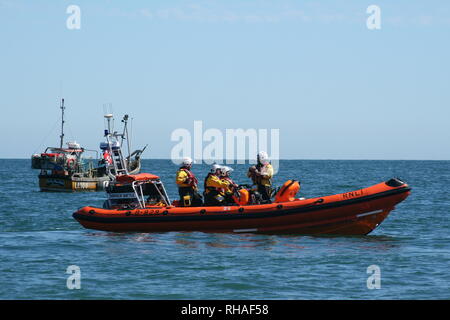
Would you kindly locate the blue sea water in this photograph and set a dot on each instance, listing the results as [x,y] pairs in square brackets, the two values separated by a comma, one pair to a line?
[39,239]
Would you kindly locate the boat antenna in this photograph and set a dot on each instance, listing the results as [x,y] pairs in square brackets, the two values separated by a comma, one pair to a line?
[111,128]
[62,123]
[125,134]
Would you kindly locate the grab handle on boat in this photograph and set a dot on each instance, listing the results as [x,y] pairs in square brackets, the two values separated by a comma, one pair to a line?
[318,201]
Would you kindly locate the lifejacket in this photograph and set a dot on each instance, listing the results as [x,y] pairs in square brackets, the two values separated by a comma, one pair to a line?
[206,180]
[205,183]
[230,185]
[263,168]
[217,189]
[193,182]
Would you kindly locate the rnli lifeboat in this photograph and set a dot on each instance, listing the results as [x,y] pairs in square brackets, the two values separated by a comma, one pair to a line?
[139,203]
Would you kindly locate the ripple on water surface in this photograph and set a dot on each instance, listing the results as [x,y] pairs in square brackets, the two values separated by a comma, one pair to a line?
[39,240]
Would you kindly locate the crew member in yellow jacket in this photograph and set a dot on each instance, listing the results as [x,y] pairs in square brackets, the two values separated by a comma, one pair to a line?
[215,187]
[232,186]
[262,175]
[188,185]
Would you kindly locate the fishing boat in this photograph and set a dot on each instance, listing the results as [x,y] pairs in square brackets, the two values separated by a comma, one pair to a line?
[71,167]
[139,203]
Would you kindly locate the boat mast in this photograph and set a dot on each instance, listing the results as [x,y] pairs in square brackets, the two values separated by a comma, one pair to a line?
[62,123]
[115,148]
[125,135]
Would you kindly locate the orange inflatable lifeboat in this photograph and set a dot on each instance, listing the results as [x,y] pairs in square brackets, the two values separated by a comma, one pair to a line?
[140,204]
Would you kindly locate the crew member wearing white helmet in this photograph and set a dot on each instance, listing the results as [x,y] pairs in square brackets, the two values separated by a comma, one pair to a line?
[215,187]
[262,174]
[188,185]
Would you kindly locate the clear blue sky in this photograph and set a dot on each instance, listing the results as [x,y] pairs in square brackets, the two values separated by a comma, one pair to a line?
[312,69]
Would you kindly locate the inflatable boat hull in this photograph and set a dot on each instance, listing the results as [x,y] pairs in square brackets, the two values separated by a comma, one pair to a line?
[351,213]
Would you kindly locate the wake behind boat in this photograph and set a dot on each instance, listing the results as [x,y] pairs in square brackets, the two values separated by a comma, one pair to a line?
[140,203]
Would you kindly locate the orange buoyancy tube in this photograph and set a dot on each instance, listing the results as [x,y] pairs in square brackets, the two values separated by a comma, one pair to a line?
[288,191]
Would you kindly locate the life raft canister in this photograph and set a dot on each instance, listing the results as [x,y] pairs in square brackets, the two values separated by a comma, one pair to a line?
[243,198]
[288,191]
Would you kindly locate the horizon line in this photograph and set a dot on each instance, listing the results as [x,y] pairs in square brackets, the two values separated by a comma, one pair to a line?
[290,159]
